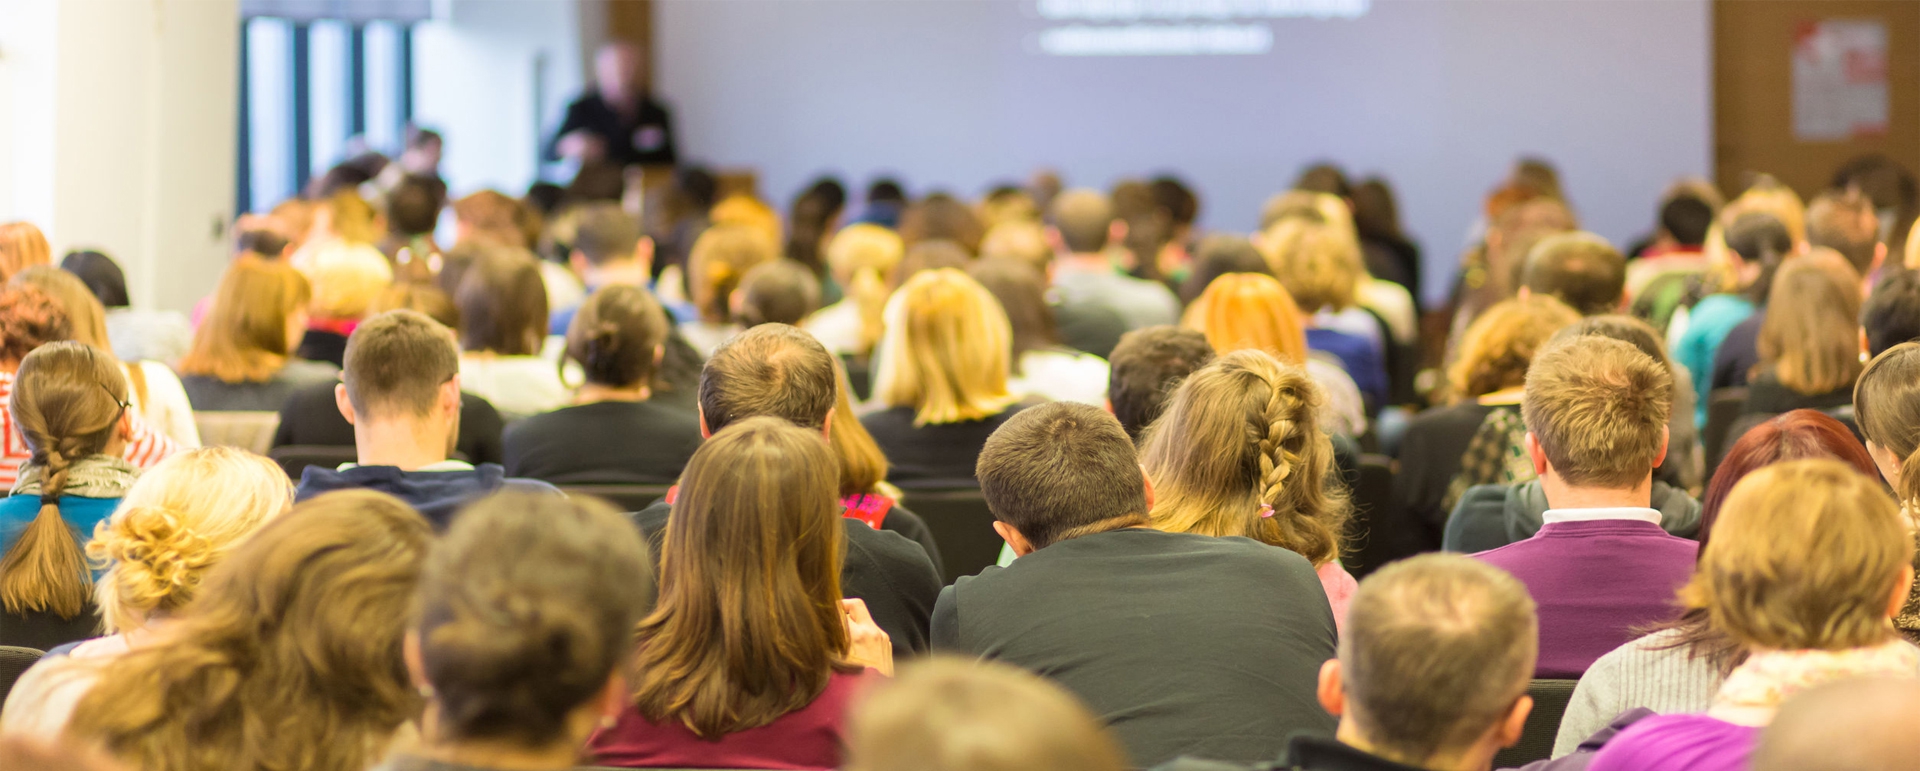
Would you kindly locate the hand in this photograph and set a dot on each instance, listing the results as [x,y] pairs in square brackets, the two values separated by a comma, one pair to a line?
[582,145]
[870,645]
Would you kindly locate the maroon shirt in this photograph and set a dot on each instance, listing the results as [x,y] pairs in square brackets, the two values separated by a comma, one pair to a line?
[812,737]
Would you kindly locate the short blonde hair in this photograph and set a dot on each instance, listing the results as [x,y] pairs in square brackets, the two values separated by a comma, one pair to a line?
[1598,407]
[1497,348]
[1249,310]
[22,246]
[347,278]
[1805,556]
[946,349]
[1021,240]
[938,714]
[749,212]
[863,257]
[718,262]
[1319,265]
[179,520]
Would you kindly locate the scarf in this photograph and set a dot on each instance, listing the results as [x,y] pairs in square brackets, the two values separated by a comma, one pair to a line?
[94,476]
[1756,688]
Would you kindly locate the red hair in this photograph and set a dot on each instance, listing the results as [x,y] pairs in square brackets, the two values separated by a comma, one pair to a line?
[29,318]
[1795,435]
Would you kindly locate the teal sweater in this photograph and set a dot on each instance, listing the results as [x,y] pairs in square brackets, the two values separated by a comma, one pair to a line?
[81,514]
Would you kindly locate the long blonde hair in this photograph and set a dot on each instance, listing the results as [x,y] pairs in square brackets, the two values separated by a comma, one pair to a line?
[719,260]
[22,246]
[183,517]
[245,335]
[946,350]
[862,256]
[1239,451]
[1249,310]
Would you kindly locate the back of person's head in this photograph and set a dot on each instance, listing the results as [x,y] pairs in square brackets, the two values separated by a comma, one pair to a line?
[1795,435]
[1624,328]
[291,656]
[101,275]
[1321,208]
[1807,555]
[941,217]
[1580,269]
[397,364]
[1021,240]
[1084,219]
[749,625]
[525,609]
[346,278]
[946,350]
[1249,310]
[1759,238]
[1598,408]
[1499,346]
[424,298]
[1062,470]
[1006,203]
[1858,724]
[67,402]
[490,216]
[1240,452]
[1886,406]
[261,243]
[1022,292]
[413,206]
[503,304]
[86,317]
[1178,200]
[886,190]
[779,292]
[22,246]
[1376,212]
[720,259]
[862,257]
[1845,222]
[811,220]
[1810,338]
[1437,651]
[863,467]
[252,326]
[770,370]
[605,233]
[1317,263]
[928,255]
[29,319]
[1892,312]
[946,714]
[1686,219]
[744,210]
[1146,367]
[1217,255]
[350,217]
[1324,178]
[617,336]
[182,518]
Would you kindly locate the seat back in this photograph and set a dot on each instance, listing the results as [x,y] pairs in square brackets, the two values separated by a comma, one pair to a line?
[1550,699]
[1723,408]
[623,497]
[13,663]
[295,458]
[962,526]
[247,430]
[1372,490]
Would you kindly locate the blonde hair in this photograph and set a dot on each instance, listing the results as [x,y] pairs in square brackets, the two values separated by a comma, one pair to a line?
[1805,556]
[351,218]
[1766,196]
[180,519]
[1239,451]
[347,278]
[22,246]
[1021,240]
[244,336]
[1498,347]
[1319,265]
[863,467]
[720,258]
[862,256]
[1249,310]
[85,314]
[1598,407]
[1810,336]
[946,350]
[748,212]
[1912,248]
[937,713]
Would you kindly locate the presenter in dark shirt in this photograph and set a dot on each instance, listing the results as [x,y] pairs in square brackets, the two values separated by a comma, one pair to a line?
[617,123]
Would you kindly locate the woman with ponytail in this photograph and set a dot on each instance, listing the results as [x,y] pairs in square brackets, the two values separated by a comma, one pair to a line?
[1240,452]
[861,258]
[1886,404]
[721,257]
[69,403]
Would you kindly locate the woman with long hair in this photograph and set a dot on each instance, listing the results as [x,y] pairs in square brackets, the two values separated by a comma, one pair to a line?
[22,246]
[864,491]
[861,258]
[751,657]
[291,657]
[1039,364]
[1810,340]
[243,353]
[1886,404]
[158,398]
[1253,310]
[718,263]
[1746,246]
[1239,452]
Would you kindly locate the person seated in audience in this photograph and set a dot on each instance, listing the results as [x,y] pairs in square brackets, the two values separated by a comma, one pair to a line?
[1218,255]
[1886,404]
[22,246]
[865,493]
[1183,644]
[779,292]
[1580,269]
[1377,302]
[720,259]
[522,626]
[1020,239]
[615,433]
[942,377]
[1148,365]
[178,520]
[401,392]
[779,371]
[1253,310]
[1240,452]
[413,211]
[68,405]
[860,258]
[939,216]
[1519,215]
[1891,315]
[1042,367]
[947,714]
[1809,561]
[1810,341]
[137,335]
[608,250]
[1752,246]
[1321,269]
[243,353]
[290,657]
[1678,668]
[1491,516]
[347,280]
[1082,225]
[1478,438]
[503,323]
[751,658]
[1843,223]
[1859,724]
[1600,565]
[1678,243]
[159,401]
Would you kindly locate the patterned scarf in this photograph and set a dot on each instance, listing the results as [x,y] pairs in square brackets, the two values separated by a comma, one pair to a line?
[1757,687]
[94,476]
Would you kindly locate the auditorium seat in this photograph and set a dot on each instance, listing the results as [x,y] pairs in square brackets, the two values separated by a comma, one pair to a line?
[962,526]
[295,458]
[1723,408]
[623,497]
[1372,488]
[1550,699]
[247,430]
[13,663]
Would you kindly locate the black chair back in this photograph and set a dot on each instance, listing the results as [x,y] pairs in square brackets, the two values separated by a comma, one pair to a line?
[623,497]
[1550,699]
[295,458]
[1723,408]
[13,663]
[1372,489]
[961,525]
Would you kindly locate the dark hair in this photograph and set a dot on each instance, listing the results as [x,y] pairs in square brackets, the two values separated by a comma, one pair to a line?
[413,208]
[397,361]
[1062,470]
[1178,200]
[1846,223]
[779,292]
[1761,239]
[771,369]
[1146,367]
[929,255]
[525,608]
[886,190]
[1892,313]
[418,137]
[616,335]
[1324,177]
[1022,293]
[1375,212]
[605,233]
[942,217]
[263,242]
[503,304]
[101,275]
[1580,269]
[814,211]
[1218,255]
[1687,219]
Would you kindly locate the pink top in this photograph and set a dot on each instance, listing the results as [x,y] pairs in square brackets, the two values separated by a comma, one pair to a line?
[808,738]
[1340,587]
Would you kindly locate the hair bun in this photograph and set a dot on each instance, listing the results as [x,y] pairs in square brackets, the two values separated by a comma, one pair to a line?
[153,555]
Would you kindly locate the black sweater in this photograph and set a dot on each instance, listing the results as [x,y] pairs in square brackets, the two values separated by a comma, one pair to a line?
[312,418]
[634,443]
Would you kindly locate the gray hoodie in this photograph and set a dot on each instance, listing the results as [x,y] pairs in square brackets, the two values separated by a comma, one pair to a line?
[1492,516]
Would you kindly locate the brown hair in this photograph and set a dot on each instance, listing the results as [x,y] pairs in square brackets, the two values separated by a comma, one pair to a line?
[28,320]
[67,400]
[425,298]
[1084,219]
[941,217]
[1598,407]
[396,362]
[1062,470]
[503,304]
[779,292]
[1022,292]
[491,217]
[771,369]
[616,336]
[524,609]
[22,246]
[1806,556]
[1886,404]
[1240,452]
[1249,310]
[937,715]
[1318,263]
[85,315]
[290,657]
[720,259]
[1580,269]
[1147,366]
[1437,648]
[1846,223]
[863,467]
[1810,337]
[1499,346]
[749,622]
[244,337]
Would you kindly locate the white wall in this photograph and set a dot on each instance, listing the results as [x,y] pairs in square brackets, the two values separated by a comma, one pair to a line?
[1439,96]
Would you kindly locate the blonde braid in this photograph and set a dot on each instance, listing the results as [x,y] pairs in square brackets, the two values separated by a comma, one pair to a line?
[1306,516]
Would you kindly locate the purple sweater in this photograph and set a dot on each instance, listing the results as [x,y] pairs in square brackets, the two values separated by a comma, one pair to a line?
[1678,743]
[1595,583]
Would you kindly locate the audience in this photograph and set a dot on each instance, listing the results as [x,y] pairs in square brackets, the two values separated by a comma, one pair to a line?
[783,291]
[1082,225]
[347,279]
[1579,269]
[941,217]
[1216,256]
[952,715]
[608,250]
[159,401]
[1041,366]
[1183,644]
[1321,270]
[401,392]
[1251,310]
[615,432]
[243,352]
[860,258]
[1891,315]
[1886,403]
[720,259]
[865,493]
[138,334]
[503,323]
[22,246]
[1858,724]
[1754,245]
[1810,341]
[751,659]
[1148,365]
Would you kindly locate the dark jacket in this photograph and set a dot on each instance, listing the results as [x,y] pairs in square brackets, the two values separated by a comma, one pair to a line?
[1304,753]
[1492,516]
[312,417]
[435,494]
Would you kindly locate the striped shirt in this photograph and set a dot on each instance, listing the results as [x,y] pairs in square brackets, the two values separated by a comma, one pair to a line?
[146,448]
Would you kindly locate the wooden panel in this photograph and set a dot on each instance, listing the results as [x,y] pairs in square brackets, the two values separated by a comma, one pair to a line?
[1753,90]
[632,21]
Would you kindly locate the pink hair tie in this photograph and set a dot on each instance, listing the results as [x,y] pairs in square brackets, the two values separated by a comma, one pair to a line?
[1266,511]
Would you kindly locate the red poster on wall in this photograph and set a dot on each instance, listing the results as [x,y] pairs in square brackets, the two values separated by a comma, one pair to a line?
[1839,80]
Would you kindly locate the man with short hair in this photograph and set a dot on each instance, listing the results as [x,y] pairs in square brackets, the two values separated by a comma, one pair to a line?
[779,371]
[608,249]
[1580,269]
[1860,724]
[1892,313]
[1145,368]
[1082,228]
[1184,644]
[401,392]
[1600,566]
